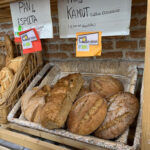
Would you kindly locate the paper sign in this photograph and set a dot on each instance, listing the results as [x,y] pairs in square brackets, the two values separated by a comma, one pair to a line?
[88,44]
[30,41]
[27,14]
[112,17]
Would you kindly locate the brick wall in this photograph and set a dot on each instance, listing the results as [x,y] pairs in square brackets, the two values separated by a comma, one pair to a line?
[129,48]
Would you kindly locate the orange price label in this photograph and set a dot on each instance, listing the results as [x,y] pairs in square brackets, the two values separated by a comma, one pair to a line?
[88,44]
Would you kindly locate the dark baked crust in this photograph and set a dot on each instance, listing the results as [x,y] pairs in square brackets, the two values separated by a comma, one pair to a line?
[122,111]
[106,86]
[82,92]
[87,114]
[59,103]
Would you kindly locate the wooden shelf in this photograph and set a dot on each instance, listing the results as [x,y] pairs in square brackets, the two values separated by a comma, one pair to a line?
[27,140]
[24,136]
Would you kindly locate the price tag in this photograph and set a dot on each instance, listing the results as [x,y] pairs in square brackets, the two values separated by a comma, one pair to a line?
[88,44]
[83,47]
[27,45]
[28,36]
[30,41]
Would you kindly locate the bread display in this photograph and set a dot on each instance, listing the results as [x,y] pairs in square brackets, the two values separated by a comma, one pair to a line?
[55,107]
[87,114]
[122,111]
[6,77]
[59,103]
[33,101]
[14,64]
[106,86]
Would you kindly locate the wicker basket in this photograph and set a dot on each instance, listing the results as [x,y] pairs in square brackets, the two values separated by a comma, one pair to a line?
[33,63]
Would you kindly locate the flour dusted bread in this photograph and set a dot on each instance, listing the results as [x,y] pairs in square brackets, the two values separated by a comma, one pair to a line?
[15,64]
[33,101]
[122,111]
[59,103]
[106,86]
[6,77]
[87,114]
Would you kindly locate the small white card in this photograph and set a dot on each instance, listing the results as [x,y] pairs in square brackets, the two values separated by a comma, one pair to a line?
[27,45]
[28,36]
[90,39]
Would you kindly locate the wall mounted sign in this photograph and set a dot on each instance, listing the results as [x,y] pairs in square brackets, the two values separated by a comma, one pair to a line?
[27,14]
[30,41]
[112,17]
[88,44]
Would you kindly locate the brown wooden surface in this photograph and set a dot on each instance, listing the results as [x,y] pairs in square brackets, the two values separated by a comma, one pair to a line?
[55,138]
[27,141]
[146,103]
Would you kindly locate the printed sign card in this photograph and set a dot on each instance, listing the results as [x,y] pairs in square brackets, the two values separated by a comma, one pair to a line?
[112,17]
[27,14]
[88,44]
[30,41]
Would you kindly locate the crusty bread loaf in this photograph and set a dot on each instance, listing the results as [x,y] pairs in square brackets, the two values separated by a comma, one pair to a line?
[33,101]
[15,63]
[6,77]
[9,49]
[82,92]
[106,86]
[2,61]
[59,103]
[87,114]
[122,111]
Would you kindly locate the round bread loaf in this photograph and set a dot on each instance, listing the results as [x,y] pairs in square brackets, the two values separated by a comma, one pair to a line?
[122,111]
[87,114]
[82,92]
[106,86]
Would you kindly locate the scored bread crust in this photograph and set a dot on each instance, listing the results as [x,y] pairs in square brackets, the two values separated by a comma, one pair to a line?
[122,110]
[55,112]
[33,101]
[87,114]
[106,86]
